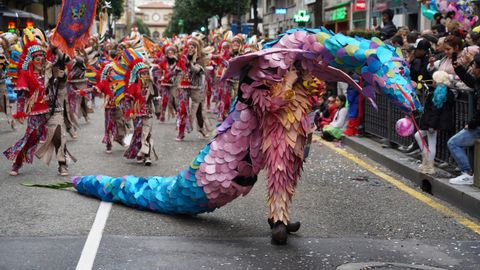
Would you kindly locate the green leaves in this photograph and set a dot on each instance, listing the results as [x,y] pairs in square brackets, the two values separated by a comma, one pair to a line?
[52,186]
[194,13]
[142,27]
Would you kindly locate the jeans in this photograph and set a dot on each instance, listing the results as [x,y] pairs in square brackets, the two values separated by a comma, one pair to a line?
[464,138]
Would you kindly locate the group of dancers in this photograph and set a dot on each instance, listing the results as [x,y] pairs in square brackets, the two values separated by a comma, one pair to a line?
[140,80]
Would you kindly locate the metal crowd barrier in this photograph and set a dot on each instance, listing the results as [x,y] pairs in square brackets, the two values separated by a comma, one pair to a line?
[381,123]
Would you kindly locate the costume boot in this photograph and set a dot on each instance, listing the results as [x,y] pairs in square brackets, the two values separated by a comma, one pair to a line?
[279,233]
[291,227]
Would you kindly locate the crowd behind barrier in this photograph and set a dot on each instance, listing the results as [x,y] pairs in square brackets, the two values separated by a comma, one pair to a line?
[381,123]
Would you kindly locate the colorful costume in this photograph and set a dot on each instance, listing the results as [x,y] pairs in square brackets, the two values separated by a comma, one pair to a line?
[140,98]
[55,139]
[32,104]
[170,71]
[77,96]
[196,62]
[221,92]
[8,80]
[267,127]
[114,121]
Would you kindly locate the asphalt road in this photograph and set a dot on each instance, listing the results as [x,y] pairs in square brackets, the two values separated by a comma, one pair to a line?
[348,215]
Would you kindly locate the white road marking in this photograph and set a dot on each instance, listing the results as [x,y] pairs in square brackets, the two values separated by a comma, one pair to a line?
[90,248]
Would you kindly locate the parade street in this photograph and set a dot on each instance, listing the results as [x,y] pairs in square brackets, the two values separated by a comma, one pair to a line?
[348,215]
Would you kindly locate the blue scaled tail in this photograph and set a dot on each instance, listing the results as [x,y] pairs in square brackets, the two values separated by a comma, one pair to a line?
[178,194]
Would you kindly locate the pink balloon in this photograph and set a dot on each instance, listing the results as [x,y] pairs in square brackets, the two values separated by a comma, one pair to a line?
[404,127]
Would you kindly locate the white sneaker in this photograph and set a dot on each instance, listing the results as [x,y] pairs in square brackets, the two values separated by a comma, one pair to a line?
[463,179]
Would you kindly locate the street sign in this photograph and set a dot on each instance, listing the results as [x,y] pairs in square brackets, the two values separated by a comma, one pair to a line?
[338,14]
[302,16]
[280,11]
[180,22]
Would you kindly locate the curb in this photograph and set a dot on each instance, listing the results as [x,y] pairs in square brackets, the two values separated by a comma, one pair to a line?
[467,198]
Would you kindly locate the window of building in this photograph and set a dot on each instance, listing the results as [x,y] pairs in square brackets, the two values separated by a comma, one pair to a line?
[167,17]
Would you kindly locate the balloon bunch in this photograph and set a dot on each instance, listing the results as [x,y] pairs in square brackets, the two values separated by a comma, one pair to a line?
[463,11]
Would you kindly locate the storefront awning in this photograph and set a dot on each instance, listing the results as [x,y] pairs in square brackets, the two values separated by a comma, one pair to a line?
[16,13]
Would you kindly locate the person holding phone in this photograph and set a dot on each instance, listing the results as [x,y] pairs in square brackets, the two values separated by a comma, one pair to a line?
[453,45]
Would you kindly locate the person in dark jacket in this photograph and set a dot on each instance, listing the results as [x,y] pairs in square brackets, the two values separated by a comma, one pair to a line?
[389,29]
[467,136]
[438,115]
[419,61]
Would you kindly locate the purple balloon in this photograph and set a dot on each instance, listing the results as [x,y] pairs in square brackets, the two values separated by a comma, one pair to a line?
[404,127]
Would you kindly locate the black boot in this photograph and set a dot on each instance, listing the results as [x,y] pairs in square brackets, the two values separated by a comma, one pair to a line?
[279,234]
[291,227]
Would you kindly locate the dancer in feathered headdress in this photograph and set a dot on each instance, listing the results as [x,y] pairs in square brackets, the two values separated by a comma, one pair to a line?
[170,73]
[140,99]
[221,91]
[196,60]
[35,104]
[4,104]
[32,103]
[76,85]
[114,121]
[12,51]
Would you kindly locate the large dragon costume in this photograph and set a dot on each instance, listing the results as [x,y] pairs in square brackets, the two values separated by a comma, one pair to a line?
[267,127]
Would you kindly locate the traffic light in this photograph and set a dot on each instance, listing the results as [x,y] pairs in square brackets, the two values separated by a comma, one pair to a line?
[202,28]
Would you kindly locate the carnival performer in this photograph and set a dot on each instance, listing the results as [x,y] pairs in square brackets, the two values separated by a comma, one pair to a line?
[92,73]
[114,121]
[57,100]
[140,100]
[238,48]
[76,83]
[221,93]
[4,104]
[196,61]
[170,73]
[182,102]
[11,52]
[32,103]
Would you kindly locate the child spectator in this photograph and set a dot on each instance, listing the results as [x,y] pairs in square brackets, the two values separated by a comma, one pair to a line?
[328,112]
[335,129]
[438,115]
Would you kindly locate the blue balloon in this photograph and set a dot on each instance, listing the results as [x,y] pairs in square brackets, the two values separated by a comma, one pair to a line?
[428,13]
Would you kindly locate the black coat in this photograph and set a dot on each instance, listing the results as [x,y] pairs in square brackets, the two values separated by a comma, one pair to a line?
[438,119]
[473,83]
[387,31]
[418,67]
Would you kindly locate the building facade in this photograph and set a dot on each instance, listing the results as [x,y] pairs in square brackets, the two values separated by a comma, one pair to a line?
[340,15]
[156,15]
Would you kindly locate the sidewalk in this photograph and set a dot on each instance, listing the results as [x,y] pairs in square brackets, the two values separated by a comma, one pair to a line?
[466,198]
